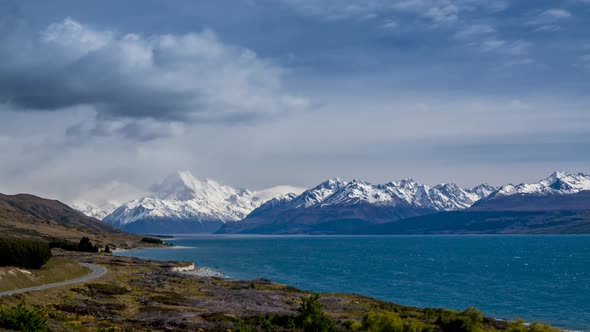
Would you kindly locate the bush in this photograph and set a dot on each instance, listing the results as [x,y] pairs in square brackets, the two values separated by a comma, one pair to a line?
[352,325]
[23,318]
[383,322]
[390,322]
[25,253]
[519,325]
[151,240]
[470,320]
[311,318]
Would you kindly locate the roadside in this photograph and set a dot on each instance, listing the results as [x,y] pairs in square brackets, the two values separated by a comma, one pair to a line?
[96,271]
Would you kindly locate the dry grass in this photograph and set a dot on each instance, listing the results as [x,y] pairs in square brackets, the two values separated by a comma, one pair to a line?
[56,270]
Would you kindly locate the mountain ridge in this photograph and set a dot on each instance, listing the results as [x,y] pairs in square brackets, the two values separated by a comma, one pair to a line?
[184,204]
[335,199]
[32,216]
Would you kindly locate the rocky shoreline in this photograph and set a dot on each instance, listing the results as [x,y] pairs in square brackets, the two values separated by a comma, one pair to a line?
[144,295]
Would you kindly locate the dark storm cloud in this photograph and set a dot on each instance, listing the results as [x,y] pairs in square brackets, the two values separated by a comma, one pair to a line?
[190,77]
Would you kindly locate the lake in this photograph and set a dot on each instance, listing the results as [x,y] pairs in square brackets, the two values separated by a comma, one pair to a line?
[537,278]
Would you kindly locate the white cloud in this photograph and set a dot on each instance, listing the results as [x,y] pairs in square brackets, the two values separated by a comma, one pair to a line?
[547,20]
[475,31]
[390,25]
[515,48]
[436,11]
[556,13]
[134,82]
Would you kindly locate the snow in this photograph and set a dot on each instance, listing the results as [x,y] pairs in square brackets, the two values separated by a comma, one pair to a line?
[97,211]
[558,183]
[181,196]
[406,193]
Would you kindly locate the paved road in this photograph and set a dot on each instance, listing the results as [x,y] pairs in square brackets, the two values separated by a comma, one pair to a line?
[97,271]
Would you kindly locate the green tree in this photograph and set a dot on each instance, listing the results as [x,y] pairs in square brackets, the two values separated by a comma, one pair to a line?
[86,246]
[470,320]
[311,317]
[27,253]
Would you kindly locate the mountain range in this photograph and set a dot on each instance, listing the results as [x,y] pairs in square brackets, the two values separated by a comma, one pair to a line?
[183,204]
[336,206]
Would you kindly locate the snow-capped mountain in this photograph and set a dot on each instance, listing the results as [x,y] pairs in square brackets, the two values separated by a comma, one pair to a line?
[560,191]
[558,183]
[97,211]
[357,200]
[181,203]
[442,197]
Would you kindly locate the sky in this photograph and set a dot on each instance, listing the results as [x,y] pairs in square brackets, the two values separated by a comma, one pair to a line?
[103,99]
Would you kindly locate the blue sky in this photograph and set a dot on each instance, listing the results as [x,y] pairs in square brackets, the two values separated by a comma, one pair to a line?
[257,93]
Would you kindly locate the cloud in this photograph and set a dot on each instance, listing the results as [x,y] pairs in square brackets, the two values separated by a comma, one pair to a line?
[487,39]
[474,31]
[556,13]
[547,20]
[436,11]
[132,81]
[514,48]
[390,25]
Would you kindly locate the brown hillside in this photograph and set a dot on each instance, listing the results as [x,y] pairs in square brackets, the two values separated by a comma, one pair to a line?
[32,216]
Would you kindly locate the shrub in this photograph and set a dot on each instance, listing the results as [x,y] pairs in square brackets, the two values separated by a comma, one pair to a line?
[310,316]
[151,240]
[23,318]
[383,322]
[470,320]
[26,253]
[389,321]
[352,325]
[518,325]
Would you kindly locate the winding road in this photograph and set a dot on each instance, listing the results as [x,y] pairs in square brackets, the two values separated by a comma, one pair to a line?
[97,271]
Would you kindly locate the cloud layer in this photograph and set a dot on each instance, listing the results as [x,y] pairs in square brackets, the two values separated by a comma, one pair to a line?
[289,92]
[135,82]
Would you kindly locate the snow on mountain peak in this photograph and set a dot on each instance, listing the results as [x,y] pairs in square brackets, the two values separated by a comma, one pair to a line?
[97,211]
[317,194]
[558,183]
[406,192]
[181,196]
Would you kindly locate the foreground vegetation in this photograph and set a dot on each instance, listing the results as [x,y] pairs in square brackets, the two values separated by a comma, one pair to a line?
[140,295]
[23,318]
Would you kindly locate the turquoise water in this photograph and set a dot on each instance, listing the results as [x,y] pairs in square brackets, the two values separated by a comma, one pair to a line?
[537,278]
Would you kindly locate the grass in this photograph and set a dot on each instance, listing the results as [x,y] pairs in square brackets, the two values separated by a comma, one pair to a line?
[57,269]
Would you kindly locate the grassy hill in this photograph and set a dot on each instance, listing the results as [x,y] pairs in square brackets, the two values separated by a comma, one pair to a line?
[31,216]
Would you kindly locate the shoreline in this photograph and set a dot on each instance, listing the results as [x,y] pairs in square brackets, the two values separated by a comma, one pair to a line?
[208,272]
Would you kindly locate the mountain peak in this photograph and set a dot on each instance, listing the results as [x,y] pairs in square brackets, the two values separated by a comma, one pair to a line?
[332,182]
[558,183]
[186,201]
